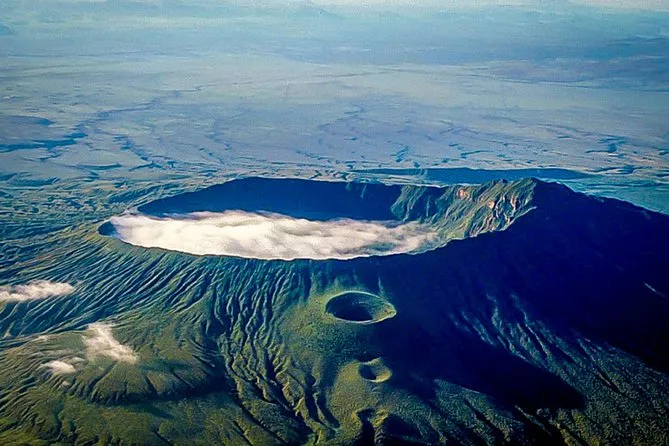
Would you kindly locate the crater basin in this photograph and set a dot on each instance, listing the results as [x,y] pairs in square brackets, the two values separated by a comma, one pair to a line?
[360,307]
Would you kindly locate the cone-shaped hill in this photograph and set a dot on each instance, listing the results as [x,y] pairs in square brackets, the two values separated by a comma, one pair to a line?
[524,313]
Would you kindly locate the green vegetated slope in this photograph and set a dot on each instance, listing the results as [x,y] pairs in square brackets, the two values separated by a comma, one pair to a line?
[541,321]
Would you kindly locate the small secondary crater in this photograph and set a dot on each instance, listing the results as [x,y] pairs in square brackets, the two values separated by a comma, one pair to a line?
[375,371]
[360,307]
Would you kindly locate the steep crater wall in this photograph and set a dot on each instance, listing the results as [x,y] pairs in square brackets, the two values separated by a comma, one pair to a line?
[291,218]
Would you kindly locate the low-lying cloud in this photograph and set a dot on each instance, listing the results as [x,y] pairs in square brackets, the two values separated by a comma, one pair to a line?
[271,236]
[59,367]
[99,341]
[39,289]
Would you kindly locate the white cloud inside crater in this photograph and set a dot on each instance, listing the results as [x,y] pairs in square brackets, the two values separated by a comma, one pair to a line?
[40,289]
[272,236]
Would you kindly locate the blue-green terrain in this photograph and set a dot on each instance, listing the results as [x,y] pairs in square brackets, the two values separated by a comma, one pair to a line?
[519,323]
[334,222]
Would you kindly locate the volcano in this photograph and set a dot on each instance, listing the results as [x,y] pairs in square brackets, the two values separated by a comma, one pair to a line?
[515,312]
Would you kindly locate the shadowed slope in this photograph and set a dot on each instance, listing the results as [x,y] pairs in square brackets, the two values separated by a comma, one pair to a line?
[315,200]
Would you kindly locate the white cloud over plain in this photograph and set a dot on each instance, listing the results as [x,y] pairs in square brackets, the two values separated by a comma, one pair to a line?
[99,341]
[271,236]
[39,289]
